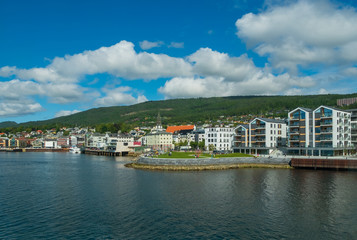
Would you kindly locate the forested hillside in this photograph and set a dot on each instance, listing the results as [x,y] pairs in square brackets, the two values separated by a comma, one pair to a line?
[181,111]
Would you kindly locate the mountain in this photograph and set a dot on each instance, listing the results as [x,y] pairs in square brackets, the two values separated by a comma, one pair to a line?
[181,111]
[7,124]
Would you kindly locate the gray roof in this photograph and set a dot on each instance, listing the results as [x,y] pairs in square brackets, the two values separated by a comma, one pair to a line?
[337,109]
[243,125]
[271,120]
[305,109]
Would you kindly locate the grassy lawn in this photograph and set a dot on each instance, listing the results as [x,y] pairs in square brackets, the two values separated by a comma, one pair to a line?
[233,155]
[182,155]
[202,155]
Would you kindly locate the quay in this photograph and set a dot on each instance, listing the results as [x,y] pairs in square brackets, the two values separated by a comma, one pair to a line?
[108,153]
[327,163]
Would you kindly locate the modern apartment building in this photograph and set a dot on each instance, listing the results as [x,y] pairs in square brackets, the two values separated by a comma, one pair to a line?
[353,127]
[267,133]
[331,128]
[219,137]
[300,128]
[241,136]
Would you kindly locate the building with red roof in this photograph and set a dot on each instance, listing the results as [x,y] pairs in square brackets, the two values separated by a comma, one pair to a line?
[173,129]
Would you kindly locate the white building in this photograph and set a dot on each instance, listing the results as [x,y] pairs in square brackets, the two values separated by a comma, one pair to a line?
[331,128]
[50,143]
[219,137]
[300,131]
[125,143]
[267,133]
[241,136]
[160,141]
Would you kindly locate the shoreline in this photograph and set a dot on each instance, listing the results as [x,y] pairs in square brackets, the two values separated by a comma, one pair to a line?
[205,167]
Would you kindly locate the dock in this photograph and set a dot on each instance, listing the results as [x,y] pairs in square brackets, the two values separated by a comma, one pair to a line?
[328,163]
[105,153]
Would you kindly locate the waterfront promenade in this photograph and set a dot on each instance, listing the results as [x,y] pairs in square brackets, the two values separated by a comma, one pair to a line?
[244,162]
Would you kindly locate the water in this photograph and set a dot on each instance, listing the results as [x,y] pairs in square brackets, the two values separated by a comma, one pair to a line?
[69,196]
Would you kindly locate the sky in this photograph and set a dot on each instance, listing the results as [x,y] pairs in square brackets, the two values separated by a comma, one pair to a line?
[62,57]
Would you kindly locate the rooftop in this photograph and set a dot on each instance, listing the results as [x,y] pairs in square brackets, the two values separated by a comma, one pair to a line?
[173,129]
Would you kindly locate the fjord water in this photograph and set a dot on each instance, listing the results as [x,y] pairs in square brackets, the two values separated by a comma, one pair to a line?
[69,196]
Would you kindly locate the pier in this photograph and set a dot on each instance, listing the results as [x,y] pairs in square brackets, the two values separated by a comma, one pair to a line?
[106,153]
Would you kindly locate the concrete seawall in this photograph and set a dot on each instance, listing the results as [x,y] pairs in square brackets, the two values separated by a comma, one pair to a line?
[210,161]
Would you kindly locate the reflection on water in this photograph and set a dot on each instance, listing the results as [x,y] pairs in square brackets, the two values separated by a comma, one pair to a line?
[62,195]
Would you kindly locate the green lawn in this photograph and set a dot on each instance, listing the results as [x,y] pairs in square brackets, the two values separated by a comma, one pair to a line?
[202,155]
[233,155]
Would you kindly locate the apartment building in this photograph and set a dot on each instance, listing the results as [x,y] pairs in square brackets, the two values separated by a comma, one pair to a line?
[300,128]
[241,136]
[331,128]
[353,127]
[219,137]
[267,133]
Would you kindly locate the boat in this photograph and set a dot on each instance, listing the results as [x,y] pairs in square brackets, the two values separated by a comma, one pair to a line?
[75,149]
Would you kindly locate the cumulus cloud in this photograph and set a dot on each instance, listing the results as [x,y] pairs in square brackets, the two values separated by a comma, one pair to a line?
[222,75]
[145,45]
[260,83]
[119,96]
[212,63]
[66,113]
[302,33]
[19,107]
[119,60]
[56,92]
[176,45]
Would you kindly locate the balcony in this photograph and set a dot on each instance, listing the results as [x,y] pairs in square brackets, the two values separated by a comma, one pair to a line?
[328,139]
[294,133]
[260,133]
[326,115]
[326,123]
[262,126]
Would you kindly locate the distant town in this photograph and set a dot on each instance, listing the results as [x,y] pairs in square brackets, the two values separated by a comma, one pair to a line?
[324,131]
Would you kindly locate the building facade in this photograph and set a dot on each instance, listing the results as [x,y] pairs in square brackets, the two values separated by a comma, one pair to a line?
[241,136]
[331,128]
[267,133]
[300,128]
[219,137]
[160,141]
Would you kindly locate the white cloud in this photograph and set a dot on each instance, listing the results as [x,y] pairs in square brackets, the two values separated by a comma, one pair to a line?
[302,33]
[119,96]
[119,60]
[216,64]
[66,113]
[176,45]
[19,107]
[57,93]
[259,83]
[352,71]
[145,45]
[222,75]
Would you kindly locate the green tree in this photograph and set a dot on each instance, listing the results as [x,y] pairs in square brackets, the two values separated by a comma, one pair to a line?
[201,144]
[193,145]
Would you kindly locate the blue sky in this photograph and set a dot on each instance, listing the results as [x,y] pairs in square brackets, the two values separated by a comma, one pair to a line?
[62,57]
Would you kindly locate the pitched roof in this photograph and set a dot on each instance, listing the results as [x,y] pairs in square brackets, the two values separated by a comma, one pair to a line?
[173,129]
